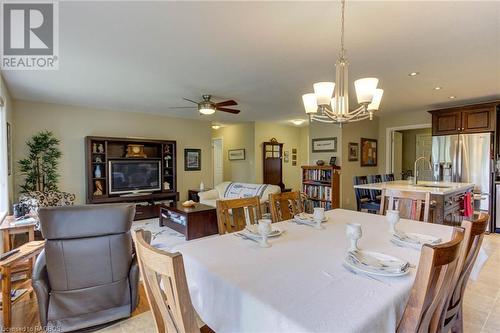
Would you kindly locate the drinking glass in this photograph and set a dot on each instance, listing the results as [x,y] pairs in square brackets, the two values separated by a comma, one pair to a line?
[354,233]
[392,217]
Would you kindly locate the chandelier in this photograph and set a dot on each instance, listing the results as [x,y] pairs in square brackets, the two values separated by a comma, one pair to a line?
[320,106]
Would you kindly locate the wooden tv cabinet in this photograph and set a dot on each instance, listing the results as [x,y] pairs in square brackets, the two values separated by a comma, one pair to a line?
[99,151]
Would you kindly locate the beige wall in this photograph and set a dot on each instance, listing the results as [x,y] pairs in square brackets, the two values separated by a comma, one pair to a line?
[71,124]
[9,110]
[321,130]
[238,136]
[290,137]
[353,132]
[394,120]
[410,144]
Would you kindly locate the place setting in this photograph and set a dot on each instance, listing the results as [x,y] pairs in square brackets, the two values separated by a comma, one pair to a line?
[260,233]
[407,239]
[314,220]
[371,263]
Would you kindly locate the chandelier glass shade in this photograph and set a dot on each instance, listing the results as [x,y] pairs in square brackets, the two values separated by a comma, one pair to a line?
[330,101]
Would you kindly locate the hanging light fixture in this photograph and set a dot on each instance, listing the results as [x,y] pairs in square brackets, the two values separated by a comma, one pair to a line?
[320,106]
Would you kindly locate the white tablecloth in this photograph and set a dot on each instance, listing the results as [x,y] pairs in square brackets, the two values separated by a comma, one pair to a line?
[299,284]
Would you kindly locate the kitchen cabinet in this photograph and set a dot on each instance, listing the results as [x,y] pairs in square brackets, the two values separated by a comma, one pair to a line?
[476,118]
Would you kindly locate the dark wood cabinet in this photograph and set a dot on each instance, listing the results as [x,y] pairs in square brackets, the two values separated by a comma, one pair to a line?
[102,151]
[444,123]
[272,163]
[476,118]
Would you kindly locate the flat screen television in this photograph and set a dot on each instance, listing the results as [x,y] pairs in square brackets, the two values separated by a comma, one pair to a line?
[134,176]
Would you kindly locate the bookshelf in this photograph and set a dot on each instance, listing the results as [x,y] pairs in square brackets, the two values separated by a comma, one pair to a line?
[321,184]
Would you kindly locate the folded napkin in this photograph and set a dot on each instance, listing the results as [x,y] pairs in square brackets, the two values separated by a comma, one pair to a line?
[415,239]
[252,231]
[304,217]
[377,265]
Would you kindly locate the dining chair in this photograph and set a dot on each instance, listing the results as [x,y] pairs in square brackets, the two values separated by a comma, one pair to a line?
[166,288]
[375,194]
[408,203]
[451,318]
[433,280]
[388,177]
[363,198]
[234,214]
[284,206]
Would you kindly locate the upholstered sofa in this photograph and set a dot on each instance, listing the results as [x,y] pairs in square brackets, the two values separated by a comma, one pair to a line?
[233,190]
[32,201]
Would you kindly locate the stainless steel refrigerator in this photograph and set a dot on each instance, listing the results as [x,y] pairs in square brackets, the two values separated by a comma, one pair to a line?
[466,158]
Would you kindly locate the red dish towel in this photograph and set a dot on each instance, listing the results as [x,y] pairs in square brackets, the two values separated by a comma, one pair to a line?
[468,205]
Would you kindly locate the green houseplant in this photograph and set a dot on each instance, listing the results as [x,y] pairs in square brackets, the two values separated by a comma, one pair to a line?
[39,168]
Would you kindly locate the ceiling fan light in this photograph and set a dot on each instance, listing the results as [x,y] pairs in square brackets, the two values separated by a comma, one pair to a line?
[206,110]
[323,92]
[310,103]
[365,89]
[377,98]
[216,127]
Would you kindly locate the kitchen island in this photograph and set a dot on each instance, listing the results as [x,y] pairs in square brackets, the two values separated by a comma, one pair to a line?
[446,198]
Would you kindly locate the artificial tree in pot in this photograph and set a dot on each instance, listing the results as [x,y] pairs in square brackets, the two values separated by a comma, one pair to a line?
[40,166]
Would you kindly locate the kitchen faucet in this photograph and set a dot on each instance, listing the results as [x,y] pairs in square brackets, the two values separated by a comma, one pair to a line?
[415,170]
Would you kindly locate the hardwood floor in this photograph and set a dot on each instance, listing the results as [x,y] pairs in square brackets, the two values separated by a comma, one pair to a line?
[481,301]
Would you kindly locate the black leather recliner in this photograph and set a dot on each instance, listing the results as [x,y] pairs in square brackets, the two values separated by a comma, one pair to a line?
[87,274]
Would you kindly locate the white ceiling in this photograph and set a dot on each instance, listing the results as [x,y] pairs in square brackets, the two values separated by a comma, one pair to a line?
[146,56]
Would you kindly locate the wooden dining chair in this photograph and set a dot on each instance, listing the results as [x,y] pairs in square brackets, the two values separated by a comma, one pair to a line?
[408,203]
[166,288]
[284,206]
[234,214]
[451,318]
[388,177]
[432,285]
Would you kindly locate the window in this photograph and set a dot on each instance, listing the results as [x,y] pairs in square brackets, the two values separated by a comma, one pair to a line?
[4,191]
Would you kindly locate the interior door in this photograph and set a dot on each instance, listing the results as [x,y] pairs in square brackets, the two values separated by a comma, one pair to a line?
[397,154]
[423,147]
[218,158]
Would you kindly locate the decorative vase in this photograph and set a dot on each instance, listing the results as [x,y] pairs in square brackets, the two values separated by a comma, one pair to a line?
[320,162]
[202,187]
[97,172]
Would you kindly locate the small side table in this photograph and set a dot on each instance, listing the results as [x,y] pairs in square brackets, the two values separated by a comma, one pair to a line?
[198,221]
[193,194]
[8,229]
[27,251]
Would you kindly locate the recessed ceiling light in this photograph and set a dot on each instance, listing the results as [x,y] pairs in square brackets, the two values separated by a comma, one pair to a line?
[452,97]
[413,74]
[297,122]
[438,88]
[216,127]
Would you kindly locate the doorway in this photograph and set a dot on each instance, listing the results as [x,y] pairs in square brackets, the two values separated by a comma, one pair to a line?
[406,145]
[218,160]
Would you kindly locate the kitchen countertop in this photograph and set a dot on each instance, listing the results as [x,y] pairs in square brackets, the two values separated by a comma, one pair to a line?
[438,188]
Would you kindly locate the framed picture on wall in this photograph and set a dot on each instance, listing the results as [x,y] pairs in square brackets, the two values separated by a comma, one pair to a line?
[324,145]
[353,151]
[368,152]
[236,154]
[192,159]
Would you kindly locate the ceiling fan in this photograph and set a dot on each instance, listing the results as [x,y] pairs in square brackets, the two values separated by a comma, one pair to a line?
[207,106]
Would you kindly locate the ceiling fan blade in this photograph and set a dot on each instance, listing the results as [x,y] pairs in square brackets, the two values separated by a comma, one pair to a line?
[189,100]
[226,103]
[228,110]
[182,107]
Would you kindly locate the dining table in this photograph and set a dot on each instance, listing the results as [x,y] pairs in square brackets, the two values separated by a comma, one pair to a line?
[300,284]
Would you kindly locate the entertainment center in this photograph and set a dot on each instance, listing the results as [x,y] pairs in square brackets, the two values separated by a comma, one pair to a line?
[141,171]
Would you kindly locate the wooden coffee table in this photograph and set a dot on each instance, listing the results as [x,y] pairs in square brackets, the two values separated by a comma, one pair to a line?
[198,221]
